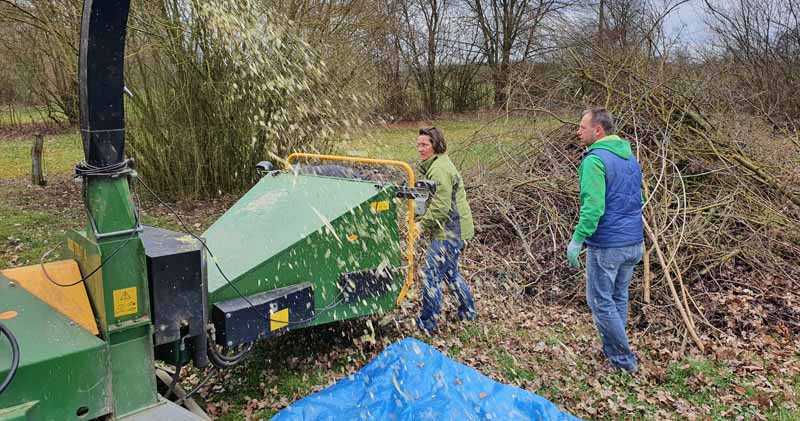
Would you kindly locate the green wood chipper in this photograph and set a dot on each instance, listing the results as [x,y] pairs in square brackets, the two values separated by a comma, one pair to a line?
[79,337]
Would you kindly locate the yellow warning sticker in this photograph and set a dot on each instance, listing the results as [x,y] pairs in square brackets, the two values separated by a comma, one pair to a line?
[381,206]
[279,319]
[125,302]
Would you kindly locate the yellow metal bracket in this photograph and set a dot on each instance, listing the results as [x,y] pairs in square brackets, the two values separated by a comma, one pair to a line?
[412,228]
[71,301]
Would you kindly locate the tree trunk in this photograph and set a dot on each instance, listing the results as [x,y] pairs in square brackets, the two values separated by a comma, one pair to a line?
[432,106]
[37,170]
[71,105]
[501,85]
[601,21]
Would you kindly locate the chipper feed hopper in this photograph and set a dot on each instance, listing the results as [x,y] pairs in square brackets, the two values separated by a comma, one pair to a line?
[79,337]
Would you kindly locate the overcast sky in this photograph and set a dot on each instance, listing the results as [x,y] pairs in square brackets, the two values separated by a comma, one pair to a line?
[687,20]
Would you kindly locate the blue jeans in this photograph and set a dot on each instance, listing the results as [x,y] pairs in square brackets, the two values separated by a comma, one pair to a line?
[442,262]
[608,274]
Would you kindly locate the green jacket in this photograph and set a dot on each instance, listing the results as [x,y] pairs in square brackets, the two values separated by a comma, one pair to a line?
[592,174]
[448,215]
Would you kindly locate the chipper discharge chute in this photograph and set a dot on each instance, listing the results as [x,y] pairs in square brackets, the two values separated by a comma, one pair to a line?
[79,337]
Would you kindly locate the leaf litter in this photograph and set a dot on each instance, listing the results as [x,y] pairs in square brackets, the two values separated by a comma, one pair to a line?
[751,370]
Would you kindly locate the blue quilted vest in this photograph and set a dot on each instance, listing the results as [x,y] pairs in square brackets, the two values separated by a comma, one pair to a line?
[621,224]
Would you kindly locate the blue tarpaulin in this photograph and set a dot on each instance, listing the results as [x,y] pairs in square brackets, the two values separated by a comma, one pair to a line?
[411,380]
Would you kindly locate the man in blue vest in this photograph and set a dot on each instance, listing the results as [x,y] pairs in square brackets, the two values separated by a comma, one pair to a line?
[610,225]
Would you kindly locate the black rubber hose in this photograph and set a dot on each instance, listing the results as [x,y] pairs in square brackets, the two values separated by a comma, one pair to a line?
[14,356]
[187,396]
[222,361]
[176,377]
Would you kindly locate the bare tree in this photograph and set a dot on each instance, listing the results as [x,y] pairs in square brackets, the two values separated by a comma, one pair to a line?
[463,88]
[618,21]
[384,51]
[761,40]
[43,46]
[424,47]
[509,30]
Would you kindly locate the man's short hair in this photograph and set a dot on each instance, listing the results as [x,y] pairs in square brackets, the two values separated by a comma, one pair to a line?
[437,138]
[602,117]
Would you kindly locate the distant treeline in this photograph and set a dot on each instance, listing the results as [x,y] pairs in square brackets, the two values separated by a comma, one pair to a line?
[253,78]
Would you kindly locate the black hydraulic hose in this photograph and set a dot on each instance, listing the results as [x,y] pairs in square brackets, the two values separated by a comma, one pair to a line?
[14,356]
[176,377]
[202,383]
[222,361]
[238,356]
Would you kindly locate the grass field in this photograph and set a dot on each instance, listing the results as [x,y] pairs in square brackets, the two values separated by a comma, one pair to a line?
[11,115]
[469,142]
[61,153]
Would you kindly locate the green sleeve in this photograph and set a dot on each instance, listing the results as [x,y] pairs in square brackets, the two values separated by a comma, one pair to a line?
[439,208]
[592,175]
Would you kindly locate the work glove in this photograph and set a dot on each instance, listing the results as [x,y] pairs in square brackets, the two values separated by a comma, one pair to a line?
[573,250]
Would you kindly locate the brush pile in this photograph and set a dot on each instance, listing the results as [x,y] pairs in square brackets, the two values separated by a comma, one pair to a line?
[722,211]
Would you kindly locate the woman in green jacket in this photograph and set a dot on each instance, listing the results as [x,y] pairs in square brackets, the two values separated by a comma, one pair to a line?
[448,222]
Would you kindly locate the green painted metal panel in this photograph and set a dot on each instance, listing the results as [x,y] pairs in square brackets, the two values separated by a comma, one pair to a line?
[111,203]
[25,412]
[302,228]
[276,213]
[134,383]
[124,266]
[164,411]
[120,272]
[62,366]
[129,335]
[118,292]
[124,271]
